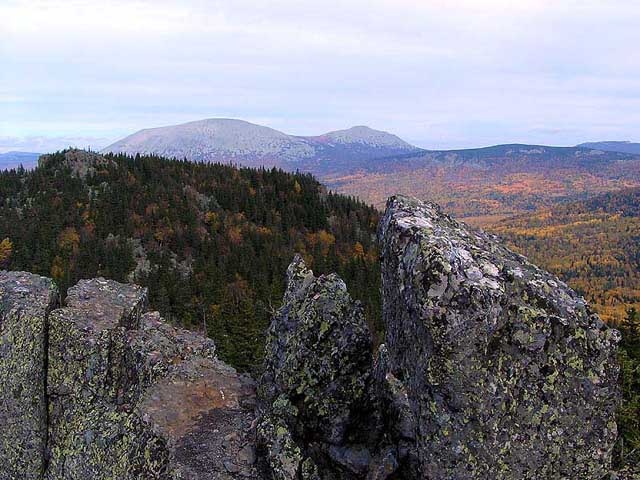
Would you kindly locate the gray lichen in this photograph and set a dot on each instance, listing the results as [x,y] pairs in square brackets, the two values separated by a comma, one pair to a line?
[507,372]
[317,368]
[25,303]
[491,369]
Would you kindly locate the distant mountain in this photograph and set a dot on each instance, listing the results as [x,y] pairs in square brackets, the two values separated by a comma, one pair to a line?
[508,155]
[237,141]
[362,135]
[622,147]
[10,160]
[496,181]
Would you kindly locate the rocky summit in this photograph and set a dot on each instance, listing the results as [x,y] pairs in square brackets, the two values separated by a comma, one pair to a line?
[504,371]
[315,384]
[490,369]
[108,391]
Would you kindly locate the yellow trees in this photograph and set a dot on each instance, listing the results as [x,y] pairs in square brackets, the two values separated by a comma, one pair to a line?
[6,248]
[69,239]
[358,250]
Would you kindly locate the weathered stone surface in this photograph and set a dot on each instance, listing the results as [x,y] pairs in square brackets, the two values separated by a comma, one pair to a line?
[498,369]
[491,369]
[80,162]
[199,406]
[133,397]
[93,386]
[128,396]
[25,303]
[315,384]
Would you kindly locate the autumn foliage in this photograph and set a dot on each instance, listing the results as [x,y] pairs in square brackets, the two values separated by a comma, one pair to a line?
[211,241]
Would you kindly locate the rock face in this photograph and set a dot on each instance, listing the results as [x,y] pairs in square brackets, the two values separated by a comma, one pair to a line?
[80,162]
[491,369]
[501,371]
[94,382]
[25,303]
[316,379]
[128,396]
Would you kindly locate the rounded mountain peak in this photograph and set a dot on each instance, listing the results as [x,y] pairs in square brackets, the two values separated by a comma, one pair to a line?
[367,135]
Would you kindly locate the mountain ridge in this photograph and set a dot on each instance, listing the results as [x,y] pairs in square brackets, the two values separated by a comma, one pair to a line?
[340,152]
[14,159]
[624,146]
[224,139]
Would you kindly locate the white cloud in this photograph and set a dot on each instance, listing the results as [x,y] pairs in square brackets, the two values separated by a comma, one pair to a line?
[438,72]
[49,144]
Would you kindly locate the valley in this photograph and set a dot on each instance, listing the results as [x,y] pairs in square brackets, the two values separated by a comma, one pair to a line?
[594,245]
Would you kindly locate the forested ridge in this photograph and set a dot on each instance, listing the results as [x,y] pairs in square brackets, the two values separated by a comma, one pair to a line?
[594,245]
[211,241]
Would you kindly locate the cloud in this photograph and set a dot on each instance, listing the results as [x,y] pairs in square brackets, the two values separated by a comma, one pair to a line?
[49,144]
[437,72]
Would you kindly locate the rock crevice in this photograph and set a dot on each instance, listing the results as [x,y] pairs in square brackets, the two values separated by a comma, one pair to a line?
[119,393]
[491,369]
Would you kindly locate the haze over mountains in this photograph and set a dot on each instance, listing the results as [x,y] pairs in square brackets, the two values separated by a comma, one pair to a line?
[623,147]
[224,140]
[479,184]
[10,160]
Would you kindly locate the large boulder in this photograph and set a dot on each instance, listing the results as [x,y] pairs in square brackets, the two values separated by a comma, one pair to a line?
[494,369]
[133,397]
[100,389]
[25,303]
[314,389]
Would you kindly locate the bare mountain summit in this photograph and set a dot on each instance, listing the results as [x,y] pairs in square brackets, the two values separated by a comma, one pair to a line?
[228,140]
[365,136]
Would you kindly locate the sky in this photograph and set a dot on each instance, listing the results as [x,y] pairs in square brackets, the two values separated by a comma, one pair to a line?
[440,74]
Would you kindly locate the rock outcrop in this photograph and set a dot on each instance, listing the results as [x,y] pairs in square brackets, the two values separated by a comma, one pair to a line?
[25,303]
[491,369]
[128,396]
[81,163]
[501,370]
[316,380]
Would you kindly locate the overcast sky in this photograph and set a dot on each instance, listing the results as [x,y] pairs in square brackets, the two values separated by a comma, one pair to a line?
[441,74]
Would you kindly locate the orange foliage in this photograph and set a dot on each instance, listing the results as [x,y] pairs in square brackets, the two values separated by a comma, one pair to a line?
[6,248]
[69,239]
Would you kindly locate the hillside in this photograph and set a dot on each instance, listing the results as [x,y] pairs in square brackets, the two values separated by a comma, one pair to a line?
[229,140]
[593,244]
[482,185]
[479,184]
[622,147]
[211,241]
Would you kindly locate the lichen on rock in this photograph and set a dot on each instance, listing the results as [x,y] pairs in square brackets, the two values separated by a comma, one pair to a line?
[316,378]
[507,373]
[128,395]
[25,303]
